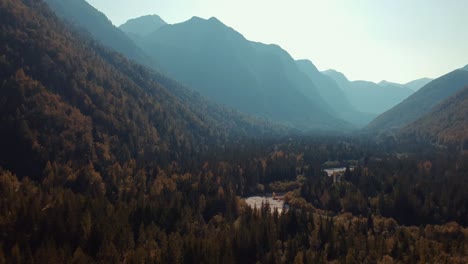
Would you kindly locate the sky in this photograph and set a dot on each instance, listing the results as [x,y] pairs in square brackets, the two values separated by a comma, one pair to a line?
[393,40]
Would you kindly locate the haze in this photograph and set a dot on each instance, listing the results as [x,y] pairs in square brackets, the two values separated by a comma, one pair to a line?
[396,41]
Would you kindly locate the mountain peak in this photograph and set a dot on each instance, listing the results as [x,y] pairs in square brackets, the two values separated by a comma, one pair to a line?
[214,19]
[384,83]
[307,63]
[465,68]
[196,18]
[209,26]
[335,74]
[143,25]
[209,21]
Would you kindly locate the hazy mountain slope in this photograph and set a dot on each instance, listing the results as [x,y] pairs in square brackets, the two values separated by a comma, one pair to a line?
[421,102]
[144,25]
[255,78]
[369,97]
[417,84]
[413,85]
[446,122]
[331,92]
[85,16]
[385,83]
[69,100]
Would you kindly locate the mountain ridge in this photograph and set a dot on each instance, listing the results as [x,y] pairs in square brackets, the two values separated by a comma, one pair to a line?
[88,18]
[203,54]
[143,25]
[333,94]
[421,102]
[383,96]
[418,83]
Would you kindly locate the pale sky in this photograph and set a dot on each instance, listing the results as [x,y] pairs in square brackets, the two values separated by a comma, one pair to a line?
[393,40]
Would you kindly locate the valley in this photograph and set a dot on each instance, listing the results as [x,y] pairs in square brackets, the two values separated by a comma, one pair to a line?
[157,142]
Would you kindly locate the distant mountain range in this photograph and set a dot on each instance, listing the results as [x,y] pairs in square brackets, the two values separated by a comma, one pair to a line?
[422,102]
[263,80]
[413,85]
[369,97]
[254,78]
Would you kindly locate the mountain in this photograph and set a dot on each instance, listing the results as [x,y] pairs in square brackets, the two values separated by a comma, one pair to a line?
[421,102]
[68,100]
[369,97]
[385,83]
[338,77]
[465,68]
[446,122]
[330,91]
[258,79]
[86,17]
[417,84]
[413,85]
[143,26]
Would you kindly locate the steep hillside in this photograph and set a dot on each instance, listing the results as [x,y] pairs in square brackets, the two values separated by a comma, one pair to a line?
[446,122]
[421,102]
[86,17]
[69,100]
[369,97]
[331,92]
[254,78]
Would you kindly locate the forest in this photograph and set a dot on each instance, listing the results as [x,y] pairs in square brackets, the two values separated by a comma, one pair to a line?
[390,208]
[105,161]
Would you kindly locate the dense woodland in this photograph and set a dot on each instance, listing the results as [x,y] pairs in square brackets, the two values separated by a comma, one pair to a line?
[390,209]
[104,161]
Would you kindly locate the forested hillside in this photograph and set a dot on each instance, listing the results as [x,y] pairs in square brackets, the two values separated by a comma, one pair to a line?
[70,100]
[447,122]
[103,161]
[86,17]
[212,59]
[421,102]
